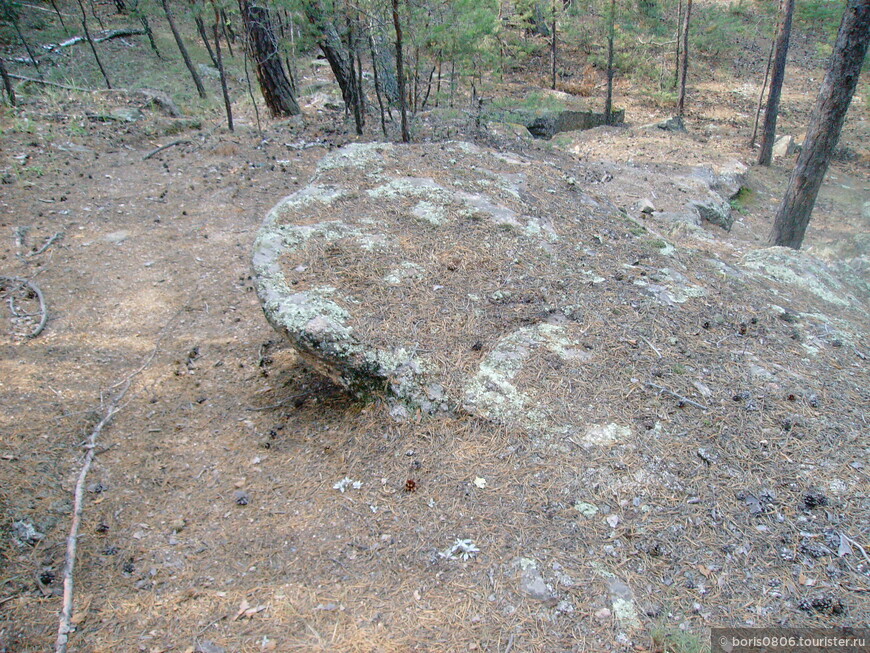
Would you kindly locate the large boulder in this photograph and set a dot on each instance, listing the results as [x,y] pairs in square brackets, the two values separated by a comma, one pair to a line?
[549,125]
[449,278]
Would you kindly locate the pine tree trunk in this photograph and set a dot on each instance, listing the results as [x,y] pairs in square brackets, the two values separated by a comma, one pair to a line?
[679,41]
[768,131]
[7,83]
[200,27]
[553,49]
[216,30]
[30,54]
[263,47]
[334,51]
[611,28]
[761,95]
[397,25]
[378,93]
[91,43]
[183,50]
[826,122]
[684,68]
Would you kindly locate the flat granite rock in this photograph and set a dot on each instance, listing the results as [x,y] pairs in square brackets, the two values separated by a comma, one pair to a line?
[450,278]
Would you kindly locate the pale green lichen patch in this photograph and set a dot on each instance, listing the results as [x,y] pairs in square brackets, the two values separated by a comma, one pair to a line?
[430,212]
[494,393]
[406,272]
[415,187]
[355,155]
[670,287]
[800,269]
[314,195]
[606,434]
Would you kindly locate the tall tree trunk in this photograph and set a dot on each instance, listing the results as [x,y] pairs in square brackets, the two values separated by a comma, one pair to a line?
[678,52]
[335,52]
[553,48]
[611,28]
[229,34]
[400,73]
[358,115]
[60,16]
[200,28]
[768,131]
[91,43]
[684,68]
[378,93]
[7,83]
[263,47]
[826,122]
[183,50]
[15,24]
[216,30]
[761,95]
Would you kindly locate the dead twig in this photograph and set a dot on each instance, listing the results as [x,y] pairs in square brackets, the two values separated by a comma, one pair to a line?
[48,243]
[24,283]
[180,141]
[48,83]
[65,626]
[685,400]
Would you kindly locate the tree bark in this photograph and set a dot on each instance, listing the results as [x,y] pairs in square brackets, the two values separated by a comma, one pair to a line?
[181,48]
[611,28]
[200,28]
[7,83]
[826,122]
[91,43]
[216,30]
[553,48]
[263,47]
[14,21]
[684,68]
[761,95]
[336,54]
[768,131]
[397,25]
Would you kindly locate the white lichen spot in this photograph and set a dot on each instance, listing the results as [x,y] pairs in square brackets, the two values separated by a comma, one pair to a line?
[407,271]
[355,155]
[798,268]
[430,212]
[419,187]
[606,434]
[588,510]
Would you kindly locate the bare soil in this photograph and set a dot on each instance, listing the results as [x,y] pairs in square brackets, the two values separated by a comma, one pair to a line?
[211,516]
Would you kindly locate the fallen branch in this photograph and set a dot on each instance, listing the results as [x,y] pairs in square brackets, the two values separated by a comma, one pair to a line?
[65,627]
[107,35]
[48,83]
[685,400]
[180,141]
[24,283]
[48,243]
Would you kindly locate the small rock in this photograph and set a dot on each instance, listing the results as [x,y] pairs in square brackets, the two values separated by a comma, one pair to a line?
[674,124]
[603,614]
[783,146]
[241,497]
[126,114]
[532,584]
[177,525]
[206,646]
[645,206]
[25,533]
[117,237]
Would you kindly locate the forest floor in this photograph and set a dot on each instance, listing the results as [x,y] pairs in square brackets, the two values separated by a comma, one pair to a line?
[211,520]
